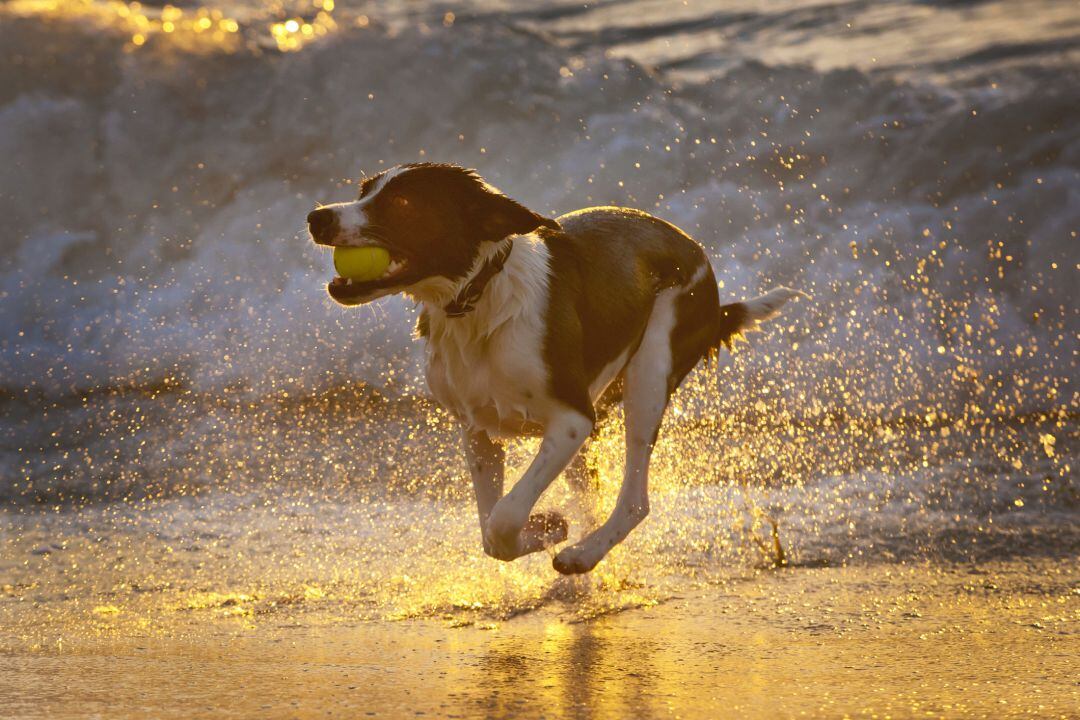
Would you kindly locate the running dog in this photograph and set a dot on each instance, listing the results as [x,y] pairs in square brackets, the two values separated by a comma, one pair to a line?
[534,325]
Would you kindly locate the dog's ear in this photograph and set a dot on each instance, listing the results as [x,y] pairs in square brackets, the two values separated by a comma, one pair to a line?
[500,217]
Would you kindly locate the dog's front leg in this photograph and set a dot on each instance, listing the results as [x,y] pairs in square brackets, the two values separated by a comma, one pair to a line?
[563,436]
[487,462]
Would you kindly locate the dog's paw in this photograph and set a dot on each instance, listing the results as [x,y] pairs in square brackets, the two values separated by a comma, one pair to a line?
[502,532]
[573,561]
[501,548]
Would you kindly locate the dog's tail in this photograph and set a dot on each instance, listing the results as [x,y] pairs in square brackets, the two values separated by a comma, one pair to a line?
[738,318]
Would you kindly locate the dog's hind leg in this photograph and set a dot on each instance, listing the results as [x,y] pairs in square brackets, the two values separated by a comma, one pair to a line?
[645,397]
[584,483]
[487,463]
[581,476]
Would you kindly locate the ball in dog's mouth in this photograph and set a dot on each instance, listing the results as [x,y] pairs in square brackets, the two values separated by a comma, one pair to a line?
[342,288]
[394,268]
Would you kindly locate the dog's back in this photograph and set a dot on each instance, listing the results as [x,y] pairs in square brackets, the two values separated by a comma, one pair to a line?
[608,267]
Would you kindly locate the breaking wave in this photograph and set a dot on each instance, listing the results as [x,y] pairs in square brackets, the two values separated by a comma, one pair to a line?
[164,321]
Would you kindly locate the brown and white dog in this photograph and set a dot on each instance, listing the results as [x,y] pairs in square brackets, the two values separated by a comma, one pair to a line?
[533,325]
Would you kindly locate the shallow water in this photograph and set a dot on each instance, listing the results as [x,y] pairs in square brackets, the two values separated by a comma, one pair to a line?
[382,545]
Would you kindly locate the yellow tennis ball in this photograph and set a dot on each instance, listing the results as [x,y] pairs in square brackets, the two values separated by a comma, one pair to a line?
[361,263]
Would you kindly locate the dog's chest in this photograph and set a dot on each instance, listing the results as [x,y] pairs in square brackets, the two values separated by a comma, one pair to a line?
[495,382]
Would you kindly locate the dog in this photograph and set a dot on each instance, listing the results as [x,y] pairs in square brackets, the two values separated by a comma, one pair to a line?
[534,325]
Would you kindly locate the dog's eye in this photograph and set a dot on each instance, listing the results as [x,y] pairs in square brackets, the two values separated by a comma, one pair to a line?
[400,201]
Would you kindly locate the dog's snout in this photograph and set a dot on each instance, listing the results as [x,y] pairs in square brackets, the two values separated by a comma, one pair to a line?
[323,224]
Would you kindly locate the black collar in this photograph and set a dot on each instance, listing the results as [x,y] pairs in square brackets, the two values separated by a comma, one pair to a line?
[465,301]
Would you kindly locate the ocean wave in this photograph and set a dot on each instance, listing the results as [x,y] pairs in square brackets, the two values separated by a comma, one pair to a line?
[157,213]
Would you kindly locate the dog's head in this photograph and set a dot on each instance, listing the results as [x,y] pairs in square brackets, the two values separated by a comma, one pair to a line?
[434,220]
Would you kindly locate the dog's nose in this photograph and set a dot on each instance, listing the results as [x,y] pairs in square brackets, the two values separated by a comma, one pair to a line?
[323,224]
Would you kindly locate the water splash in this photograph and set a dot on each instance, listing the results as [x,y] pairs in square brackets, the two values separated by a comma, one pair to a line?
[190,430]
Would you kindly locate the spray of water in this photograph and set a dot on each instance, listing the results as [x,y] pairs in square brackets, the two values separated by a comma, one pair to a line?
[233,444]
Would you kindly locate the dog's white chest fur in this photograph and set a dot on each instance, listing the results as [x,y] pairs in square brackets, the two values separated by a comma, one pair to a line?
[487,366]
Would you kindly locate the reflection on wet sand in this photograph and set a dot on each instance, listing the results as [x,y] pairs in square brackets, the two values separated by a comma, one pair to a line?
[582,668]
[928,640]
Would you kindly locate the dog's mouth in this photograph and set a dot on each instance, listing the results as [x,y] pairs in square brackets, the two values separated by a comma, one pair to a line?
[399,273]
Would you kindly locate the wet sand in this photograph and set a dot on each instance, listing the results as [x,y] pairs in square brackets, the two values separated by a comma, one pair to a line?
[999,640]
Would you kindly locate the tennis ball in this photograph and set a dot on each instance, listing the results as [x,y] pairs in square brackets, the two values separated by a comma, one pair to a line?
[361,263]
